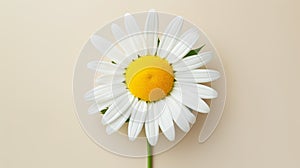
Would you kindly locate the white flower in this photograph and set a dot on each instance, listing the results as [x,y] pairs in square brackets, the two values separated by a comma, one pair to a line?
[148,80]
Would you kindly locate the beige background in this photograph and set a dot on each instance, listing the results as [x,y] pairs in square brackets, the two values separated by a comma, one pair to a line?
[257,41]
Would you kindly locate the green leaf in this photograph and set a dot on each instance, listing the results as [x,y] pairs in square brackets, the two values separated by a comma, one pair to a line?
[158,41]
[103,111]
[194,52]
[113,62]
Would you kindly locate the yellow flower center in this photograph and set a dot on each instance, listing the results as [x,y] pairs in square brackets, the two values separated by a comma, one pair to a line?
[149,78]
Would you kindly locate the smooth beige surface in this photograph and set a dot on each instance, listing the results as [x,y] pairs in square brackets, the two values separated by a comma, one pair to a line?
[258,42]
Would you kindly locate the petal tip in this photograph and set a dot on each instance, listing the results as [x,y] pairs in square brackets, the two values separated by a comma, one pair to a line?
[206,110]
[109,130]
[92,110]
[113,25]
[152,10]
[127,14]
[179,17]
[215,94]
[192,121]
[218,75]
[94,37]
[152,140]
[170,134]
[104,121]
[131,138]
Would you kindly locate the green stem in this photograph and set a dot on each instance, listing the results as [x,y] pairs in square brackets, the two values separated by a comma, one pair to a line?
[149,151]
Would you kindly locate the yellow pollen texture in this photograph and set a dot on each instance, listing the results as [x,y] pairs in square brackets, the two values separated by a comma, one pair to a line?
[149,78]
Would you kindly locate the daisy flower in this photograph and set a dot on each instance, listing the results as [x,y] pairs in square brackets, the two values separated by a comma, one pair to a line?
[150,79]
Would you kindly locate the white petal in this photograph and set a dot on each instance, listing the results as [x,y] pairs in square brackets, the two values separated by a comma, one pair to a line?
[165,121]
[191,100]
[177,114]
[131,24]
[103,93]
[135,34]
[151,32]
[169,37]
[97,107]
[151,125]
[186,43]
[197,76]
[123,39]
[104,67]
[202,91]
[90,95]
[106,79]
[117,124]
[188,114]
[137,120]
[193,62]
[106,48]
[119,106]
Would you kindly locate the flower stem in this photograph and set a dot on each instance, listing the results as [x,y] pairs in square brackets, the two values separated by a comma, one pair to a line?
[149,151]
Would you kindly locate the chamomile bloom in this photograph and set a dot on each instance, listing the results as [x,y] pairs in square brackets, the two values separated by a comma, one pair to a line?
[148,80]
